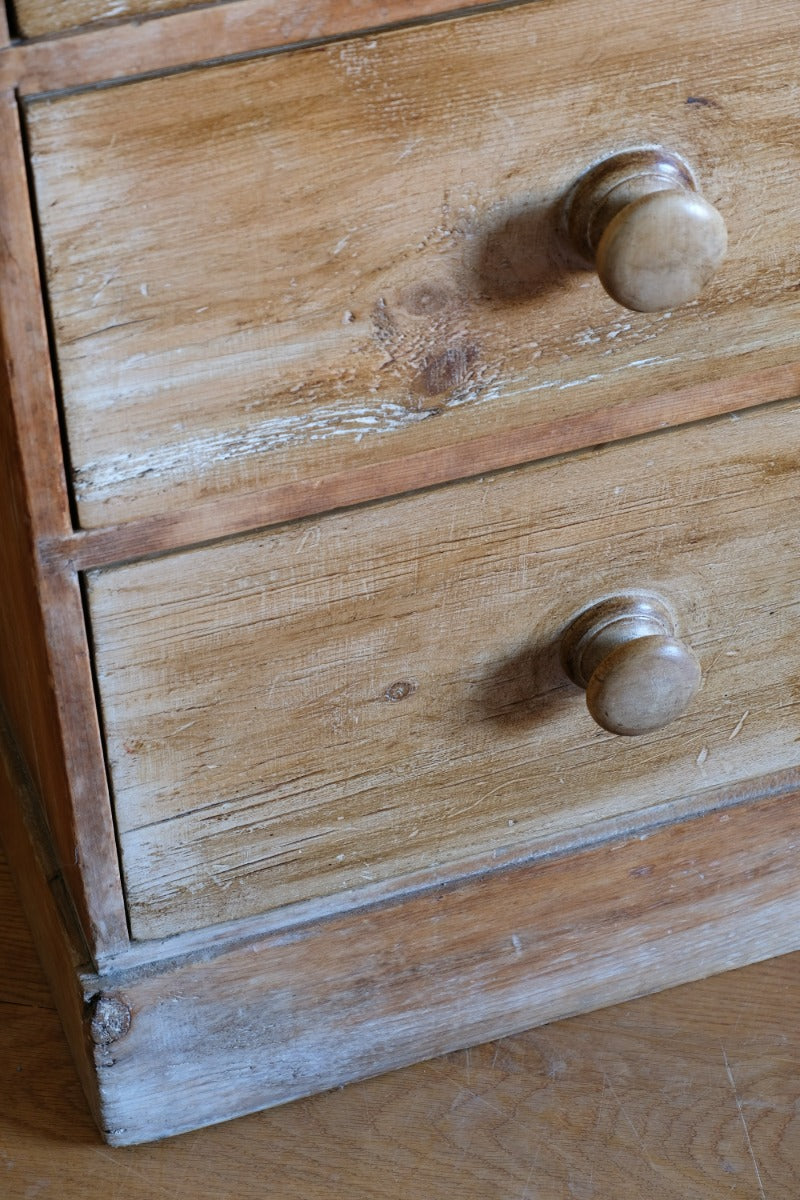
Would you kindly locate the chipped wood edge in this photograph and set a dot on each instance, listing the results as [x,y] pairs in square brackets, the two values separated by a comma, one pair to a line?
[80,815]
[366,992]
[161,42]
[231,515]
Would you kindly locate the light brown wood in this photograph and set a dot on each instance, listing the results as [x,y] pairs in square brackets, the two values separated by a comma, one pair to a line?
[294,23]
[688,1093]
[306,1009]
[163,1048]
[661,251]
[349,699]
[394,300]
[202,33]
[45,674]
[638,676]
[643,685]
[456,852]
[60,943]
[84,549]
[654,240]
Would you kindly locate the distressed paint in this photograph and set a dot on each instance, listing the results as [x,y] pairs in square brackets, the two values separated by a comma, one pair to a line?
[276,1017]
[302,22]
[258,757]
[359,251]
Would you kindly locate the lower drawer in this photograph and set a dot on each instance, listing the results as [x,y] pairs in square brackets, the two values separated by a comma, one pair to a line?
[351,700]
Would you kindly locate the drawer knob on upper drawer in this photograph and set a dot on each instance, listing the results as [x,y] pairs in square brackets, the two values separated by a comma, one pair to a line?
[653,239]
[638,676]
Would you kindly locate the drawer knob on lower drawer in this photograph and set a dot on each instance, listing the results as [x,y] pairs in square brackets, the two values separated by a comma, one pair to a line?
[637,674]
[639,218]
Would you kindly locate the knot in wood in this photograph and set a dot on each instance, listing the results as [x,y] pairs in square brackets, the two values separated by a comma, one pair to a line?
[110,1019]
[400,689]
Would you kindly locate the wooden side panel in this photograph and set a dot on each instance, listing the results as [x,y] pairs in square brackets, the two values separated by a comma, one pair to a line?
[353,699]
[59,943]
[45,674]
[329,259]
[312,1008]
[297,22]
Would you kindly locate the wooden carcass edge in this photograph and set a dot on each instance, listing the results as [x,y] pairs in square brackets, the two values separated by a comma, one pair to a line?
[50,700]
[256,1021]
[267,1019]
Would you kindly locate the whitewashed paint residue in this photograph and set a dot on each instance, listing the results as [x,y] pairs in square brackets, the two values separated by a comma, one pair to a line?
[105,476]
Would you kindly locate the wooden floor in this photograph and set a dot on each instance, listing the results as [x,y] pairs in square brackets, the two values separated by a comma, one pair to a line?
[690,1095]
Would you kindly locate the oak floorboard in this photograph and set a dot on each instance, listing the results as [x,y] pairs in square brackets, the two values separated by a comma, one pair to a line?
[693,1094]
[21,979]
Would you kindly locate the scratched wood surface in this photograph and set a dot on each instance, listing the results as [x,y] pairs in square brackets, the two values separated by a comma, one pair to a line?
[350,699]
[689,1095]
[338,256]
[291,23]
[45,673]
[113,50]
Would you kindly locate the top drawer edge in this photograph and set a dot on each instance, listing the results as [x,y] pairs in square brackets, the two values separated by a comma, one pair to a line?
[218,29]
[219,519]
[337,272]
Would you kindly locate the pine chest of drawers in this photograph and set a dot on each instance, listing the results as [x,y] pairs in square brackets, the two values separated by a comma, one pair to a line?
[400,582]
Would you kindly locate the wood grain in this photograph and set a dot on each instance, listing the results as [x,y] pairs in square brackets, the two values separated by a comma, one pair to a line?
[60,943]
[45,674]
[690,1093]
[295,23]
[200,33]
[354,698]
[311,311]
[83,549]
[307,1009]
[21,977]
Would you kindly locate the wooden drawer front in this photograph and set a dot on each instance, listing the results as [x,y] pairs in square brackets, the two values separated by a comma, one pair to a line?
[299,21]
[327,259]
[378,692]
[36,17]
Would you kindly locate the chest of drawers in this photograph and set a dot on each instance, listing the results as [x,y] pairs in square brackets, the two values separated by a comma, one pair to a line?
[333,478]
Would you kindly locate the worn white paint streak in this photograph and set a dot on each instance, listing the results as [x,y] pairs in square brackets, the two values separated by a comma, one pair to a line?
[739,725]
[656,360]
[106,475]
[562,387]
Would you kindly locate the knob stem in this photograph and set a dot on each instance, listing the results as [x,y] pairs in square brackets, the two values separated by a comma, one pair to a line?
[638,676]
[653,239]
[605,626]
[611,185]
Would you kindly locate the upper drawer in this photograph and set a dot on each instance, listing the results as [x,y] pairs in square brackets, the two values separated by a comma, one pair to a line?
[276,269]
[300,20]
[377,692]
[36,17]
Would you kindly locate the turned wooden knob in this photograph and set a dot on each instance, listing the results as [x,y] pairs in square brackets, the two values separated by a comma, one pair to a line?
[653,239]
[638,676]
